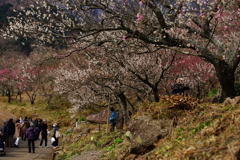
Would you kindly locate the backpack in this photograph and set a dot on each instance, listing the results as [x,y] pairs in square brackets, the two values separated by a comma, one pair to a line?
[36,133]
[57,135]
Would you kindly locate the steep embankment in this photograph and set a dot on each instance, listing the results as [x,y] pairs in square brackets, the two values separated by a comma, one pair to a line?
[5,116]
[204,131]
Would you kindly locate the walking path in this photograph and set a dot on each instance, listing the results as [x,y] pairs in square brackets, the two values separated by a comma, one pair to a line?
[21,153]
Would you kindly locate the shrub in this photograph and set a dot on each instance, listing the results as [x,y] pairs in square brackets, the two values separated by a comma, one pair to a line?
[117,140]
[212,92]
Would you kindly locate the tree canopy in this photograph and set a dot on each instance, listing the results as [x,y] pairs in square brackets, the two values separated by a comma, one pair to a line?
[208,29]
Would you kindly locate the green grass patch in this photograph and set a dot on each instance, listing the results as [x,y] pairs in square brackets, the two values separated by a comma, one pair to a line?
[200,127]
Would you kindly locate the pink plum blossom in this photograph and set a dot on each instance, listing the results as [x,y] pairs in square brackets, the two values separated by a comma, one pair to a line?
[139,17]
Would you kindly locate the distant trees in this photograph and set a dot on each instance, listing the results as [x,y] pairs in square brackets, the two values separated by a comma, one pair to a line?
[37,77]
[20,73]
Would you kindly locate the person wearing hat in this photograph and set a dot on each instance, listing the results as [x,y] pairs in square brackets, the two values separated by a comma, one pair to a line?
[44,130]
[30,135]
[55,128]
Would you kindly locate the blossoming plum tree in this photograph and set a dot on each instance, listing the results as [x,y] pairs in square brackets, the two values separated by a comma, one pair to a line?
[208,29]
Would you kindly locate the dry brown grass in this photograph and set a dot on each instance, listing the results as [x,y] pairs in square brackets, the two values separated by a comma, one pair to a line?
[203,132]
[208,132]
[5,116]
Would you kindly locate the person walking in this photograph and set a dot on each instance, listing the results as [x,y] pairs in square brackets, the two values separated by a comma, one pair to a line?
[5,132]
[18,129]
[40,122]
[2,143]
[30,135]
[35,121]
[29,121]
[55,143]
[24,129]
[11,132]
[21,120]
[112,119]
[8,94]
[44,133]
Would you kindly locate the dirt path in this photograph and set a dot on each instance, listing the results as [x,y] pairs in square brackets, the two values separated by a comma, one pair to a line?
[21,153]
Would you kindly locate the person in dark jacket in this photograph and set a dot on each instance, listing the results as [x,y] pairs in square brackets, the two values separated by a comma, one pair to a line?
[11,132]
[5,132]
[179,87]
[40,122]
[35,121]
[112,119]
[8,94]
[2,142]
[44,130]
[55,128]
[30,135]
[29,121]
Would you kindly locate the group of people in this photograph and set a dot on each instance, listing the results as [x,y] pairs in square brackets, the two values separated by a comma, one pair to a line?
[27,129]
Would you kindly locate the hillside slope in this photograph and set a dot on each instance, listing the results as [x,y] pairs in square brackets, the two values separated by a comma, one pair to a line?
[205,132]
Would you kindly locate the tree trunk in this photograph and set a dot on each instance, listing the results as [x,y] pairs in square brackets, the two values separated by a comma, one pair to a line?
[131,107]
[20,97]
[123,104]
[226,77]
[32,97]
[155,93]
[49,99]
[9,98]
